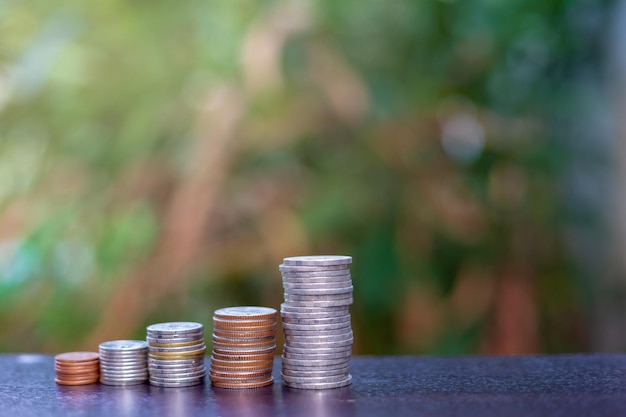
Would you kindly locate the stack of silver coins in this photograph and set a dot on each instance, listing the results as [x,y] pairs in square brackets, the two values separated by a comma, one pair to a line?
[176,354]
[244,345]
[316,322]
[123,362]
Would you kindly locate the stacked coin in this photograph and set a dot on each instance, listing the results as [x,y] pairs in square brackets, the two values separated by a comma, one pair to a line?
[76,368]
[123,362]
[244,345]
[176,354]
[316,321]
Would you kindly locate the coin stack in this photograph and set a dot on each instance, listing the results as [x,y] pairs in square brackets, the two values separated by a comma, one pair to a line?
[76,368]
[123,362]
[244,345]
[316,321]
[176,354]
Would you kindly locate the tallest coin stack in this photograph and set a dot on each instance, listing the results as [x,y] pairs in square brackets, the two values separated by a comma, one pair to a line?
[316,321]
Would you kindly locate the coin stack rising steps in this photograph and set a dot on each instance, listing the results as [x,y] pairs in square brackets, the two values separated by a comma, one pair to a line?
[176,354]
[123,362]
[244,345]
[76,368]
[316,322]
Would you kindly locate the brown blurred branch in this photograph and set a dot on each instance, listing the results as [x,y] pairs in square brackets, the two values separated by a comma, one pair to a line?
[184,222]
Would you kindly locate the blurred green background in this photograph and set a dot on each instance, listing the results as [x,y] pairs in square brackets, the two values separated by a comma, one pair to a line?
[159,159]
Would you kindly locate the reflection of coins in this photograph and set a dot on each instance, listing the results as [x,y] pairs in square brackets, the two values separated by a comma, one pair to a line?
[244,345]
[76,368]
[316,321]
[176,354]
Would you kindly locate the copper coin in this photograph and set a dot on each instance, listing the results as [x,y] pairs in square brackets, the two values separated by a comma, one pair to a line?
[234,380]
[234,356]
[66,371]
[232,351]
[221,362]
[260,344]
[244,334]
[86,381]
[89,375]
[73,357]
[225,324]
[239,374]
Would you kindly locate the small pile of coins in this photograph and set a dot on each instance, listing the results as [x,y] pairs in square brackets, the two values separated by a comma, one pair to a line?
[244,344]
[76,368]
[123,362]
[316,321]
[176,354]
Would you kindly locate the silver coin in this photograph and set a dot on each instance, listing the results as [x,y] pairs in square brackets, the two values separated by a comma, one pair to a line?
[177,384]
[317,297]
[317,351]
[316,321]
[176,379]
[317,281]
[316,327]
[289,285]
[191,373]
[330,368]
[313,379]
[333,344]
[123,345]
[319,292]
[317,333]
[320,338]
[123,368]
[244,312]
[304,268]
[190,368]
[124,358]
[346,354]
[307,363]
[143,375]
[333,303]
[335,314]
[329,385]
[319,260]
[174,340]
[314,372]
[123,383]
[175,327]
[289,308]
[313,272]
[122,378]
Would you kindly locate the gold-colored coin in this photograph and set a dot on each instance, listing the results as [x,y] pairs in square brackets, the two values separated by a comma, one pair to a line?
[247,324]
[242,385]
[175,345]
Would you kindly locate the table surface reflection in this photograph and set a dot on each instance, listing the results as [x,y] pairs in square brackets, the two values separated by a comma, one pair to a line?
[568,385]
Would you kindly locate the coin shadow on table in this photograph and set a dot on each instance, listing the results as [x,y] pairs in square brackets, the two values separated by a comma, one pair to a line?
[258,402]
[318,403]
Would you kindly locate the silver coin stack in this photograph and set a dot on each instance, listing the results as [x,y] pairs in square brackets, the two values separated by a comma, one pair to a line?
[316,321]
[176,354]
[123,362]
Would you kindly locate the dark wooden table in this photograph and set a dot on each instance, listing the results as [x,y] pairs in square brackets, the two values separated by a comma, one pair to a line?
[576,385]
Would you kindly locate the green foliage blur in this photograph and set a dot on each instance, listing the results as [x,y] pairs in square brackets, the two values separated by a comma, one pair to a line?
[159,159]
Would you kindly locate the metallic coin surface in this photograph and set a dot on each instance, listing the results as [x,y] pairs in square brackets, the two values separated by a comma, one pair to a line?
[76,382]
[123,345]
[242,385]
[175,327]
[321,260]
[319,292]
[74,357]
[177,384]
[328,385]
[245,313]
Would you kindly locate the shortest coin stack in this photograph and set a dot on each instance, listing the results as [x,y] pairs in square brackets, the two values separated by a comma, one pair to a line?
[76,368]
[176,354]
[123,362]
[244,345]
